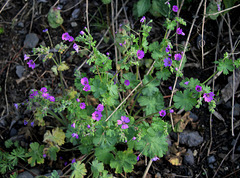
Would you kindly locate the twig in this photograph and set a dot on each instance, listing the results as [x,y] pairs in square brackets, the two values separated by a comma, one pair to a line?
[87,16]
[4,6]
[233,87]
[56,3]
[234,146]
[33,8]
[203,22]
[223,10]
[147,169]
[222,162]
[19,12]
[72,6]
[185,47]
[113,31]
[5,90]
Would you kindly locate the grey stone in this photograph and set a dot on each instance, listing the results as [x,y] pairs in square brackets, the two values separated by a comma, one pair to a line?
[211,159]
[189,158]
[19,71]
[190,138]
[193,116]
[236,110]
[13,132]
[75,13]
[25,174]
[73,24]
[31,40]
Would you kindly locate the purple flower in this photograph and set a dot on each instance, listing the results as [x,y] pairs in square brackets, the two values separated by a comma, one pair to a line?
[73,161]
[123,122]
[32,124]
[100,108]
[45,95]
[31,96]
[134,138]
[120,44]
[75,135]
[75,46]
[198,88]
[170,88]
[87,87]
[82,105]
[140,54]
[78,100]
[25,122]
[44,155]
[175,8]
[70,39]
[45,30]
[178,57]
[168,49]
[73,125]
[167,62]
[65,36]
[155,158]
[143,19]
[162,113]
[138,158]
[81,32]
[26,57]
[126,82]
[186,83]
[43,90]
[107,53]
[171,110]
[31,64]
[16,105]
[51,98]
[65,163]
[208,96]
[88,126]
[180,32]
[218,7]
[84,81]
[97,115]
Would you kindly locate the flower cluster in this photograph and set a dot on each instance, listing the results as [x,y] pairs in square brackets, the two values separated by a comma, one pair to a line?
[85,83]
[208,97]
[45,95]
[124,120]
[97,115]
[67,37]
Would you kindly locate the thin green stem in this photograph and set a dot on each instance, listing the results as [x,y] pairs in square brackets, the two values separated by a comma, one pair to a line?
[99,73]
[62,85]
[137,112]
[59,119]
[210,77]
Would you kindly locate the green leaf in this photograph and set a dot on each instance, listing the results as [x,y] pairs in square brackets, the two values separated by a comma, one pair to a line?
[79,170]
[132,79]
[63,66]
[124,160]
[106,1]
[152,144]
[184,100]
[96,168]
[104,154]
[163,74]
[211,9]
[8,143]
[56,137]
[154,46]
[181,21]
[225,65]
[35,153]
[152,103]
[150,89]
[159,7]
[54,174]
[142,7]
[52,151]
[113,90]
[98,88]
[54,18]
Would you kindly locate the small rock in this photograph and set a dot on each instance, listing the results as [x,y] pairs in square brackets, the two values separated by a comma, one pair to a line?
[188,158]
[20,24]
[25,174]
[193,116]
[75,13]
[190,138]
[236,110]
[31,40]
[158,175]
[211,166]
[211,159]
[73,24]
[19,71]
[13,132]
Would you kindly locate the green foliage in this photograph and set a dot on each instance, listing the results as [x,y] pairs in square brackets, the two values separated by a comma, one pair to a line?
[96,168]
[54,174]
[159,8]
[104,154]
[124,160]
[225,65]
[106,1]
[151,104]
[184,100]
[211,9]
[8,143]
[54,18]
[151,86]
[35,153]
[229,3]
[164,74]
[56,137]
[79,170]
[142,7]
[1,30]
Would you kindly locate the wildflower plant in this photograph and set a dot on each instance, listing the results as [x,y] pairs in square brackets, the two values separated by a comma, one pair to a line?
[96,128]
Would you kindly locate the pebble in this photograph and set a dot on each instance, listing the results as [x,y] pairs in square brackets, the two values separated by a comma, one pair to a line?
[19,71]
[75,13]
[31,40]
[211,159]
[27,174]
[73,24]
[190,138]
[13,132]
[193,116]
[236,110]
[188,158]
